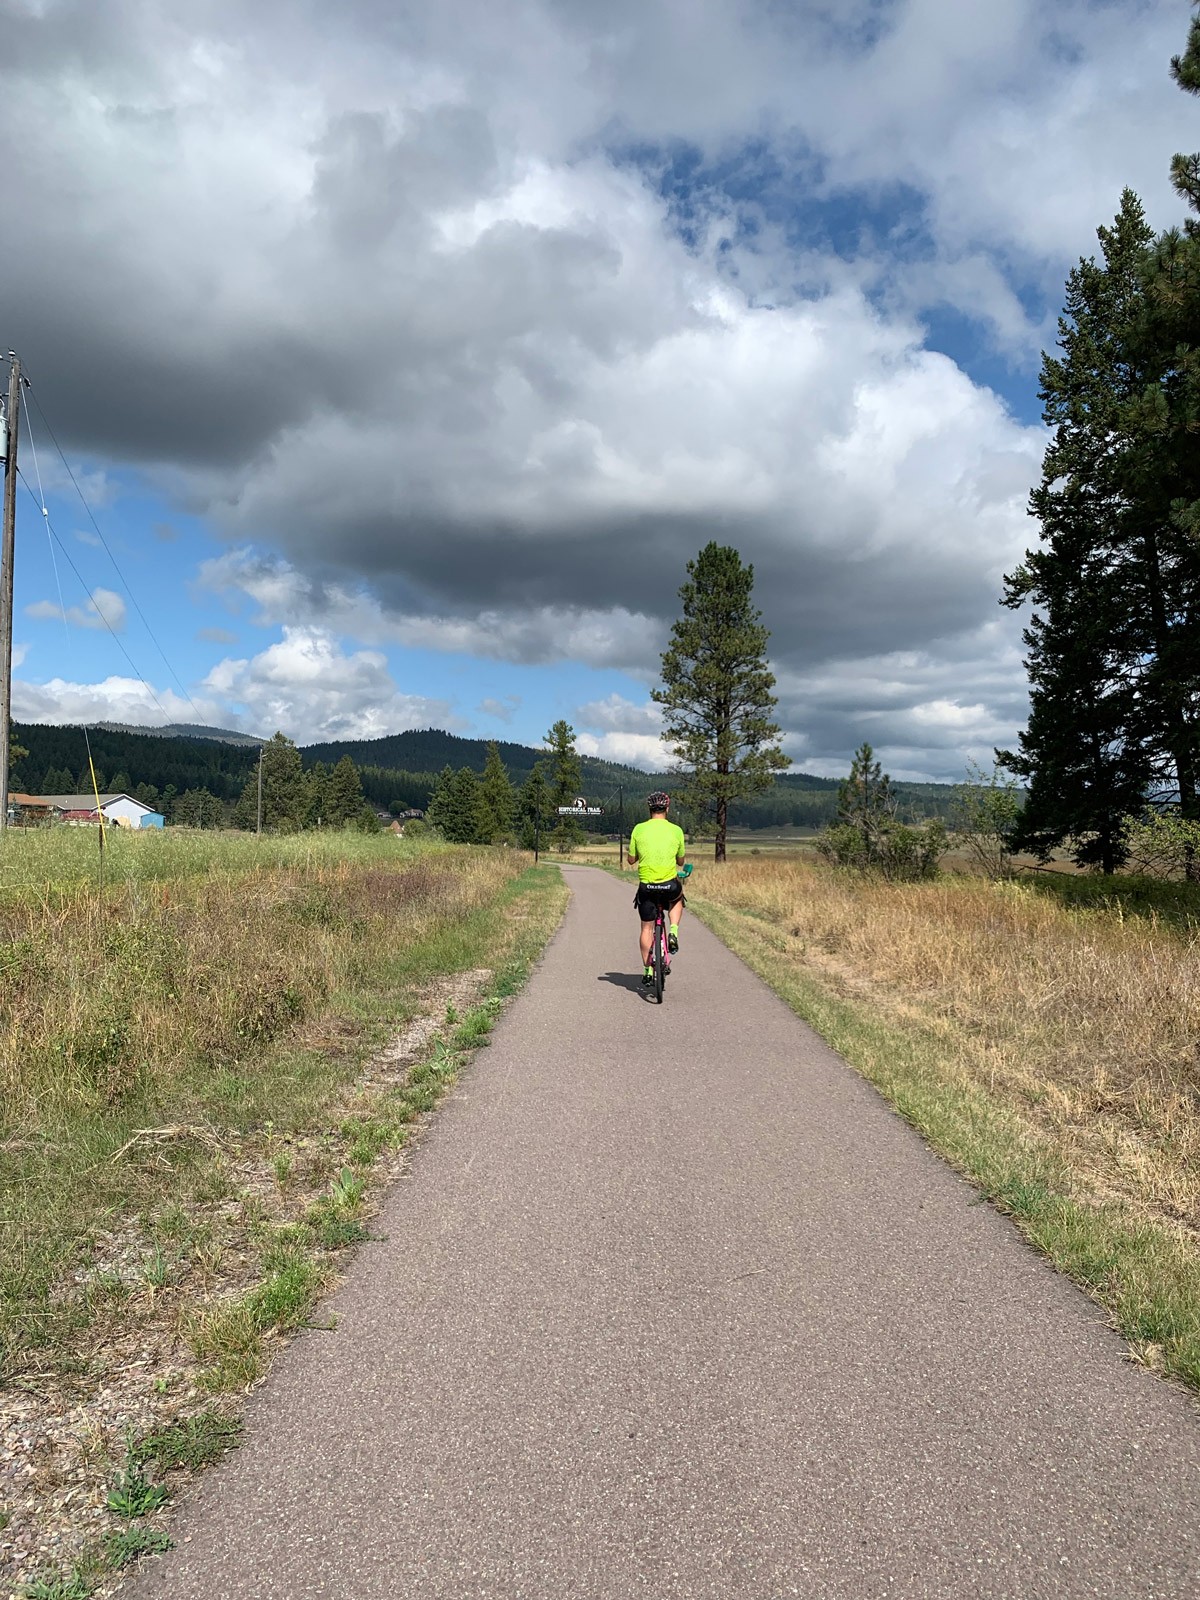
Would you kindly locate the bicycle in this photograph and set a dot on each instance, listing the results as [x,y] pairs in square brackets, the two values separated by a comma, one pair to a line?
[660,950]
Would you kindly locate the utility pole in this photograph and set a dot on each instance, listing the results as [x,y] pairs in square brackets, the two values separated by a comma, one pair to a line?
[8,541]
[621,826]
[258,828]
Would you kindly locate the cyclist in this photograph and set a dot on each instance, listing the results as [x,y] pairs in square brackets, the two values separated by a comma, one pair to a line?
[657,848]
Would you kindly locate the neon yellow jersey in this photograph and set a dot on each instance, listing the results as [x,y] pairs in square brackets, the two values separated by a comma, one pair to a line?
[657,844]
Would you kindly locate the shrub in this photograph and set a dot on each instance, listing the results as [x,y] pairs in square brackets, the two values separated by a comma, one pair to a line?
[986,809]
[1162,844]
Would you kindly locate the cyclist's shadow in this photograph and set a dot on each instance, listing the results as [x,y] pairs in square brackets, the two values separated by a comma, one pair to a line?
[622,980]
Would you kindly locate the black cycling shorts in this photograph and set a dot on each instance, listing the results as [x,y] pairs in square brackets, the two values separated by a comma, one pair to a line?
[652,895]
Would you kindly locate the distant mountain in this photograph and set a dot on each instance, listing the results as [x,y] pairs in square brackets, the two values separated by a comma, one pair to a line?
[398,770]
[184,730]
[431,749]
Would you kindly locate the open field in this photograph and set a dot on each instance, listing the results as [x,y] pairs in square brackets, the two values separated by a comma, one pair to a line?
[203,1069]
[787,840]
[1051,1051]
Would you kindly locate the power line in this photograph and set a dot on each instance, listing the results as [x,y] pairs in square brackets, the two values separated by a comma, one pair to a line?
[62,607]
[104,542]
[83,585]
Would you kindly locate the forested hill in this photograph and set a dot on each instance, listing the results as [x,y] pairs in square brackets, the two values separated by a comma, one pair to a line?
[397,771]
[57,762]
[425,750]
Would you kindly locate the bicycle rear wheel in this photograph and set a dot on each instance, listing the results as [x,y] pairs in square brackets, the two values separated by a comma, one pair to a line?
[660,963]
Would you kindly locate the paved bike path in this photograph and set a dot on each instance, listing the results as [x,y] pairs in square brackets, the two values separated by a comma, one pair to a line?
[670,1305]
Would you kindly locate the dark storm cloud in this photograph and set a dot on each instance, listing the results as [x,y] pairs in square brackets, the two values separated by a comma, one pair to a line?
[366,287]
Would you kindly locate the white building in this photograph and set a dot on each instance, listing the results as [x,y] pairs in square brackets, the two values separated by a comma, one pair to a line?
[122,810]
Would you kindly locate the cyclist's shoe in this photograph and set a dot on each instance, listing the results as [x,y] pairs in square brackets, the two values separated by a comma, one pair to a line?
[673,942]
[647,980]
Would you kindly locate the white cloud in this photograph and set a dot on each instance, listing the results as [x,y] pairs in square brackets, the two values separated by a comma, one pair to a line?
[616,714]
[114,699]
[633,749]
[617,729]
[105,609]
[550,378]
[306,686]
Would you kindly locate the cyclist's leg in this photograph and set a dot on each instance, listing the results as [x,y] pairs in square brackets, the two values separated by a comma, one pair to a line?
[675,914]
[646,942]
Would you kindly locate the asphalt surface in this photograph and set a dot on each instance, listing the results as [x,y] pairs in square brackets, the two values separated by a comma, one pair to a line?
[671,1305]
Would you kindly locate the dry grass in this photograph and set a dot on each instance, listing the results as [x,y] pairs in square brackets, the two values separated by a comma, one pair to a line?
[207,1076]
[199,1007]
[113,999]
[1046,1046]
[1086,1021]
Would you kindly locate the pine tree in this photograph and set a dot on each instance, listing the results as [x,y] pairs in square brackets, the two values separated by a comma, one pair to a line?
[197,808]
[343,798]
[439,811]
[866,834]
[1166,418]
[565,781]
[316,780]
[1084,756]
[717,689]
[464,824]
[497,796]
[866,802]
[533,805]
[285,790]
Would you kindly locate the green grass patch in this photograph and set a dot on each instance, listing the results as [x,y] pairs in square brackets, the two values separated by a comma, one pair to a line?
[74,1585]
[1140,1272]
[127,1545]
[1122,895]
[194,1443]
[132,1495]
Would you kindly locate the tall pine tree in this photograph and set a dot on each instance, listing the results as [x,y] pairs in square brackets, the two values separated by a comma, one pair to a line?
[717,694]
[498,798]
[565,778]
[1085,755]
[343,794]
[285,789]
[533,805]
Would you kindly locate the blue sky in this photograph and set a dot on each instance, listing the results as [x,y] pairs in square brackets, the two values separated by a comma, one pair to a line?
[404,364]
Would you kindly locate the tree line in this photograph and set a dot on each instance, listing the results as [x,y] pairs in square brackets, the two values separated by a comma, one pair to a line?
[1113,648]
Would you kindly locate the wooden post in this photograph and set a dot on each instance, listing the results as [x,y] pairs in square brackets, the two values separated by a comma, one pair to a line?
[8,540]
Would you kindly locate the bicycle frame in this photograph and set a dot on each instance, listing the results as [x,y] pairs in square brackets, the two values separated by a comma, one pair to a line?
[660,953]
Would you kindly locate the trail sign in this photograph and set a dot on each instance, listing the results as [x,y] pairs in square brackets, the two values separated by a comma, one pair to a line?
[580,808]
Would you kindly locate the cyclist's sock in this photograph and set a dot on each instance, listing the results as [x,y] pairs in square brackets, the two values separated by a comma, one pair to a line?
[649,972]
